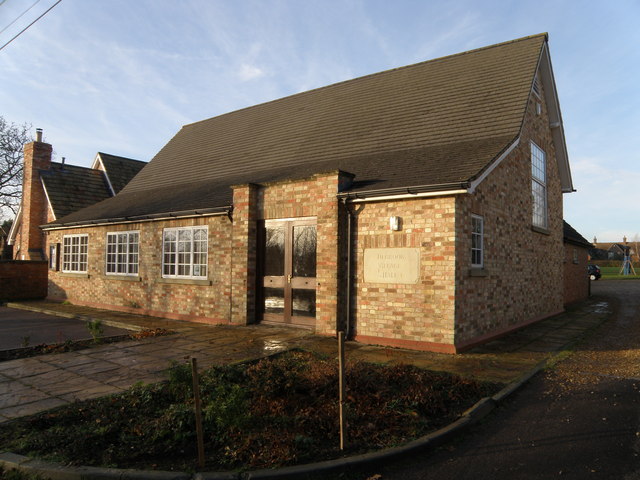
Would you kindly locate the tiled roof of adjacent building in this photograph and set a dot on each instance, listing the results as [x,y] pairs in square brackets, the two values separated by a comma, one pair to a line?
[71,188]
[439,123]
[572,236]
[120,170]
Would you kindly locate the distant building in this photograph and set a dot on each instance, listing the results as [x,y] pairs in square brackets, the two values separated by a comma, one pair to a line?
[611,250]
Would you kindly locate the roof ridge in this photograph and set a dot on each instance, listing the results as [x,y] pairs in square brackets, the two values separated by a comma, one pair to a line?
[324,87]
[66,165]
[120,156]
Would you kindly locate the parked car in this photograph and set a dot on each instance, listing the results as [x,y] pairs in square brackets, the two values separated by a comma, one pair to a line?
[594,272]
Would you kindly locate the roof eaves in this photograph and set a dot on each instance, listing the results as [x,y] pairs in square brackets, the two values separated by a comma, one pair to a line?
[555,119]
[411,190]
[477,180]
[224,210]
[104,172]
[15,226]
[46,194]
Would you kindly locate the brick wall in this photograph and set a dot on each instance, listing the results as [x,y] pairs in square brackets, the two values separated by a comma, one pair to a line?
[204,301]
[313,197]
[576,280]
[419,315]
[229,294]
[523,277]
[22,280]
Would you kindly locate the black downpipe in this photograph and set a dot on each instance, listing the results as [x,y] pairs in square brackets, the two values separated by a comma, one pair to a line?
[348,272]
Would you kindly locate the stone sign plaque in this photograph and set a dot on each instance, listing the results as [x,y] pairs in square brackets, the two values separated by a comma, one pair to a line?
[392,265]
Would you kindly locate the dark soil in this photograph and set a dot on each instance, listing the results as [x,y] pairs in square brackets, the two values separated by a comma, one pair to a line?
[277,411]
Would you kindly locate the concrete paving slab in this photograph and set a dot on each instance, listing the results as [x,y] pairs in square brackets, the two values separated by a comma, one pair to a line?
[23,396]
[25,367]
[31,408]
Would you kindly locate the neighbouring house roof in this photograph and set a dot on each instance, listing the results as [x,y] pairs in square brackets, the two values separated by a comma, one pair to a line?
[572,236]
[615,247]
[436,125]
[119,170]
[70,188]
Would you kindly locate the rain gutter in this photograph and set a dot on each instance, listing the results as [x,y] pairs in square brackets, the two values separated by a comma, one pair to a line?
[406,192]
[154,217]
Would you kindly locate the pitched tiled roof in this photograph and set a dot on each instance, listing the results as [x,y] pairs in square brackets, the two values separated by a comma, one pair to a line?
[120,170]
[438,122]
[572,236]
[71,188]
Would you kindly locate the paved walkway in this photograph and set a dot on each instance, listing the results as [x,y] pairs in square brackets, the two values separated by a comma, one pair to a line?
[35,384]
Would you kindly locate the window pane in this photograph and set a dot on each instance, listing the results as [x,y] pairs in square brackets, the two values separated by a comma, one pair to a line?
[274,251]
[304,251]
[304,303]
[538,166]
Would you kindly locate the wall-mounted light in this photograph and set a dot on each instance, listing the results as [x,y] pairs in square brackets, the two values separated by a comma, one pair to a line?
[394,223]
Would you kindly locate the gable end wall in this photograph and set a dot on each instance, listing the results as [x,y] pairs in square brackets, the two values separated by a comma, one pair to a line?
[523,277]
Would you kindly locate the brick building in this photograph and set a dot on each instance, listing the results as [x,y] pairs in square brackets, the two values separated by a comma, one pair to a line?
[576,260]
[53,190]
[418,207]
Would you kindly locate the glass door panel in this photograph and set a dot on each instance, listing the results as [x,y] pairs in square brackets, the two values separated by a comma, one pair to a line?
[289,267]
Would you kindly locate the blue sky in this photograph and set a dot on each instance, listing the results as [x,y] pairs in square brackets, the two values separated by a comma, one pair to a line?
[123,76]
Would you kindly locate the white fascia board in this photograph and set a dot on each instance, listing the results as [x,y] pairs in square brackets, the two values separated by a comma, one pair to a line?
[46,194]
[98,165]
[15,226]
[492,167]
[126,222]
[555,119]
[408,196]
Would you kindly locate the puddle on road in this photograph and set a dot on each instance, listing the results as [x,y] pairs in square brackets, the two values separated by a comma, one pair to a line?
[601,307]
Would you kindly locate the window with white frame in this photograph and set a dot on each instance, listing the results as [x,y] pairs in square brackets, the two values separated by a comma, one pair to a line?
[539,186]
[122,253]
[184,252]
[75,253]
[477,241]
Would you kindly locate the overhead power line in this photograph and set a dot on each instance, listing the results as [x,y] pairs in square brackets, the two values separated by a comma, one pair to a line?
[19,16]
[25,28]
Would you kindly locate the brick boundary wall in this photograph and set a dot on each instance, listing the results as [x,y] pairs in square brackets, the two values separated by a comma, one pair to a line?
[22,280]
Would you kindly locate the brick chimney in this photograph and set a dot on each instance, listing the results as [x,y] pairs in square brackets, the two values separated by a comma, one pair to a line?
[37,156]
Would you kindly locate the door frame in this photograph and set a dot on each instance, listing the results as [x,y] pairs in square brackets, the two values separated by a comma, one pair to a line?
[287,281]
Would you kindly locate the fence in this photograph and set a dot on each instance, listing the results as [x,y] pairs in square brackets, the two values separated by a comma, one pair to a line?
[22,280]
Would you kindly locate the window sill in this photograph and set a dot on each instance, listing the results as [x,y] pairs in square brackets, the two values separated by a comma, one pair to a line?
[478,272]
[186,281]
[544,231]
[74,275]
[123,278]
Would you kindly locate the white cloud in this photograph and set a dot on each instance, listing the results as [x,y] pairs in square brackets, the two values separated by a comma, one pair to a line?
[249,72]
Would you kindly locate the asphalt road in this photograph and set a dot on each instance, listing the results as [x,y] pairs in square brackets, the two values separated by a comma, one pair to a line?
[20,328]
[578,420]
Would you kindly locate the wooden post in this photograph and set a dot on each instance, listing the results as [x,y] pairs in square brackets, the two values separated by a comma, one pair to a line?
[196,399]
[341,387]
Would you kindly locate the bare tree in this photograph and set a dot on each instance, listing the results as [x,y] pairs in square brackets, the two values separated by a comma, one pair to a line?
[12,139]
